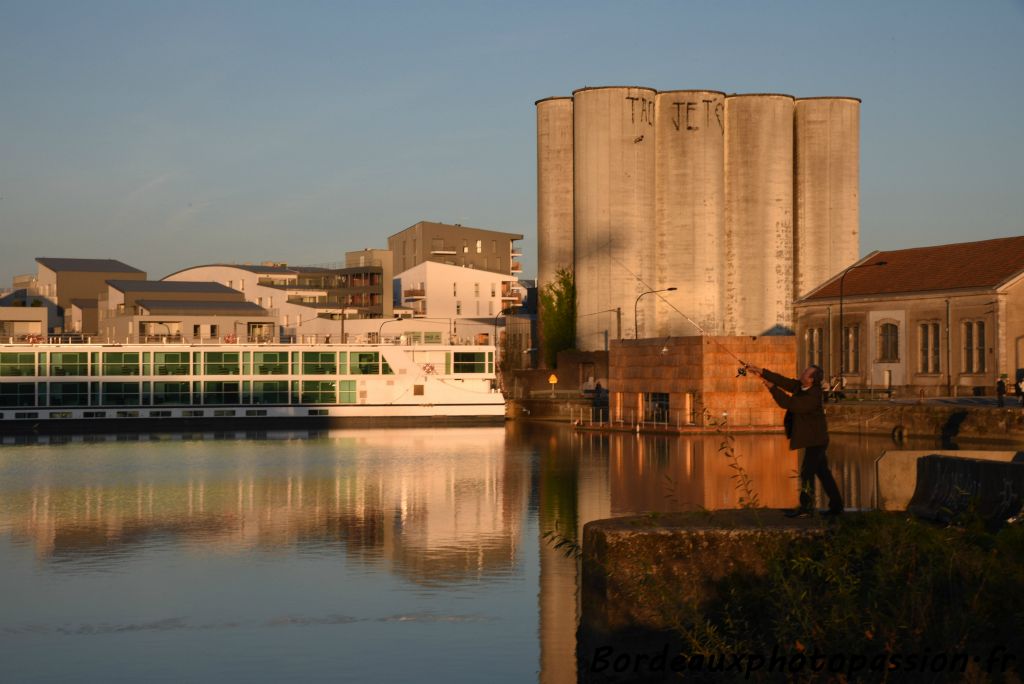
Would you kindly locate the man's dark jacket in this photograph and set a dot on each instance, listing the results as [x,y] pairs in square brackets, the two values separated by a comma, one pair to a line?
[805,410]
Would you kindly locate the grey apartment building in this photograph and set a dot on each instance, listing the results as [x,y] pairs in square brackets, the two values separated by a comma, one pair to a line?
[455,245]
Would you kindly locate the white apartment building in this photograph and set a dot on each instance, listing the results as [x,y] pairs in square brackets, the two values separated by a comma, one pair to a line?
[436,290]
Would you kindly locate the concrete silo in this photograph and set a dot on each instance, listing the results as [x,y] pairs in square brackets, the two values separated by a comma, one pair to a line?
[759,213]
[690,210]
[614,136]
[554,187]
[827,221]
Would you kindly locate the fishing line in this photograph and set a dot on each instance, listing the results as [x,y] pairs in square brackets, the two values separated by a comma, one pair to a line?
[743,364]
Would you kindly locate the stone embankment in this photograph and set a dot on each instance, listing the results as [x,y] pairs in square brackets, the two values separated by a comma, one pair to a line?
[947,423]
[639,571]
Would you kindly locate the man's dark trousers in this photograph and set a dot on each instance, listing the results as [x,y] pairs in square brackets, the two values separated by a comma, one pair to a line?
[815,463]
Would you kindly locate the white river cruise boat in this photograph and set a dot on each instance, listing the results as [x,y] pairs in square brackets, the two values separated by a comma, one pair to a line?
[98,387]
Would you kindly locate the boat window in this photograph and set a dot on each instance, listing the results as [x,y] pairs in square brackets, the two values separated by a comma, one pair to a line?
[470,362]
[69,394]
[120,363]
[222,363]
[220,392]
[347,392]
[18,394]
[318,392]
[319,363]
[365,363]
[170,363]
[120,393]
[69,363]
[13,363]
[270,392]
[270,363]
[171,393]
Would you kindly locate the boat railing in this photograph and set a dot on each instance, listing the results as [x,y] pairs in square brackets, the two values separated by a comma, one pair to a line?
[232,340]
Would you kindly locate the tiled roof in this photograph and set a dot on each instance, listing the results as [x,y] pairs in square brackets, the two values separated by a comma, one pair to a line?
[171,306]
[87,265]
[966,265]
[169,286]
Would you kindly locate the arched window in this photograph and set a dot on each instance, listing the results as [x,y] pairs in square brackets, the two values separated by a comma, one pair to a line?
[888,343]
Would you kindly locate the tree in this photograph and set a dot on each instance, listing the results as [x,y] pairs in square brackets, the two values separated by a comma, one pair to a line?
[558,315]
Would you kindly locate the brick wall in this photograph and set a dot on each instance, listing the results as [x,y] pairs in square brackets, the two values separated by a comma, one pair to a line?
[698,374]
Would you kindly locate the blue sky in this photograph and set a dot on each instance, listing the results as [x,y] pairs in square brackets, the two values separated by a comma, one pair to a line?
[174,134]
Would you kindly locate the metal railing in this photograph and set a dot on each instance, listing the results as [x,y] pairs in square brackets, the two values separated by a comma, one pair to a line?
[598,416]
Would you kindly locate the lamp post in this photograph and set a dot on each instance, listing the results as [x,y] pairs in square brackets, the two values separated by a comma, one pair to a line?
[636,306]
[842,330]
[618,320]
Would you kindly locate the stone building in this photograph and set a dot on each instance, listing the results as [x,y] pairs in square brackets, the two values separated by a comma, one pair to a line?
[686,380]
[930,321]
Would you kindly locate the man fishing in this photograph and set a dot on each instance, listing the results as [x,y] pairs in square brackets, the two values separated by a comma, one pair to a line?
[806,429]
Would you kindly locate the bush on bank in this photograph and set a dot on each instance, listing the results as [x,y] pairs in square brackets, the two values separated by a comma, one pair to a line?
[887,589]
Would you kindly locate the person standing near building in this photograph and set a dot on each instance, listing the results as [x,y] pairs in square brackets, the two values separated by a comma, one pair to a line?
[1000,392]
[806,429]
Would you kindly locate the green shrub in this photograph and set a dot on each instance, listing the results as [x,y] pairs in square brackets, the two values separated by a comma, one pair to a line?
[878,586]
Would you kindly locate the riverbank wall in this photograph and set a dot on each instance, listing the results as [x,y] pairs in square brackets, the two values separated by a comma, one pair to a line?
[947,423]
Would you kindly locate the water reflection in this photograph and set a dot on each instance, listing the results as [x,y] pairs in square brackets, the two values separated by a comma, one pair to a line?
[434,511]
[456,513]
[587,476]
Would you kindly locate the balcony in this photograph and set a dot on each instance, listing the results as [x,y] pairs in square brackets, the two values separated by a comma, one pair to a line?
[443,252]
[414,294]
[516,267]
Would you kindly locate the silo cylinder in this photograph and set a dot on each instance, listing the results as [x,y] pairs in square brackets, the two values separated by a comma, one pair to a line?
[827,226]
[614,139]
[554,187]
[759,213]
[690,209]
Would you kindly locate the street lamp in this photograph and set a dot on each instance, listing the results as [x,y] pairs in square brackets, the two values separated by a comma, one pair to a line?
[618,319]
[842,330]
[636,305]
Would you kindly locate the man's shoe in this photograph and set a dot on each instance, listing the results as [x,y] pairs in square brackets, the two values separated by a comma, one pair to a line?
[833,513]
[798,513]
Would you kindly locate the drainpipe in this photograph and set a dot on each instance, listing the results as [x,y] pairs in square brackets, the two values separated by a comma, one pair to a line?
[949,354]
[830,365]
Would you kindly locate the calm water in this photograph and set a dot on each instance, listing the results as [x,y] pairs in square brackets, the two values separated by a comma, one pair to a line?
[354,556]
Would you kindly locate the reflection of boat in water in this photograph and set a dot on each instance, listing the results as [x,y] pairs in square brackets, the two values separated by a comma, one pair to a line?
[433,511]
[166,386]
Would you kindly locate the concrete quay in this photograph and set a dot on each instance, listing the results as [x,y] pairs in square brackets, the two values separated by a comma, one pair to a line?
[948,421]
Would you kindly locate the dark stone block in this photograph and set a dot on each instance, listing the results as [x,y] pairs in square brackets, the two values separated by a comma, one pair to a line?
[640,573]
[949,487]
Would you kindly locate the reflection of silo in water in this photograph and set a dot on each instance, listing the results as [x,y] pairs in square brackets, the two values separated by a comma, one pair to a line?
[613,130]
[759,213]
[554,187]
[827,224]
[690,209]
